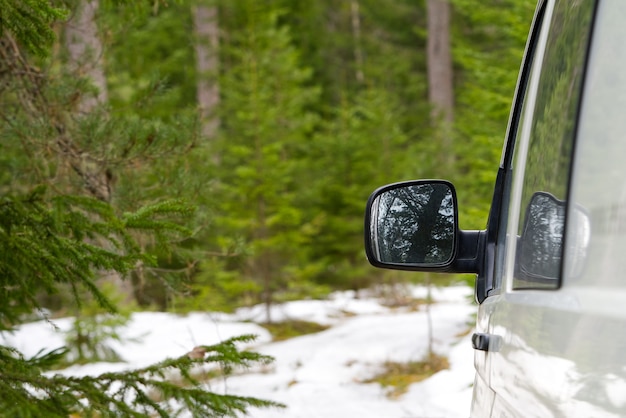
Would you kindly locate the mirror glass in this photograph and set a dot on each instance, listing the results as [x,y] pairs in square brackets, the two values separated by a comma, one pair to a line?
[413,223]
[577,242]
[541,242]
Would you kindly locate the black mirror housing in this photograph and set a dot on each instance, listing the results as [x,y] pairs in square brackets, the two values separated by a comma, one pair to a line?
[413,226]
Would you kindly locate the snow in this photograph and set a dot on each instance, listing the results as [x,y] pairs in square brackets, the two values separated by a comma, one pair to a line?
[315,375]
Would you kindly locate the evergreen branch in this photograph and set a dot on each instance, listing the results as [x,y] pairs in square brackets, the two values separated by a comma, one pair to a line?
[30,22]
[135,393]
[44,243]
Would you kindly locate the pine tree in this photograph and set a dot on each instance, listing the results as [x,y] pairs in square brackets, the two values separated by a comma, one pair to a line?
[266,100]
[54,237]
[354,153]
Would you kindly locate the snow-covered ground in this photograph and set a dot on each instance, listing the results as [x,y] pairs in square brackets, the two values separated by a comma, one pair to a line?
[316,375]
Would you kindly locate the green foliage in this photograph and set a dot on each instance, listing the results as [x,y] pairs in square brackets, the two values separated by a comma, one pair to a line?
[219,287]
[354,153]
[354,135]
[30,21]
[302,137]
[46,243]
[25,392]
[48,248]
[391,46]
[63,225]
[163,79]
[263,147]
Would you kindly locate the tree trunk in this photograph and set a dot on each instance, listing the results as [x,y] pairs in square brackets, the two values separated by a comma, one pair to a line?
[205,19]
[440,78]
[439,61]
[263,263]
[86,60]
[86,53]
[429,317]
[356,33]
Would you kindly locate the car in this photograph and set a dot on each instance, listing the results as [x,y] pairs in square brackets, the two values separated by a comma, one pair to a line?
[550,265]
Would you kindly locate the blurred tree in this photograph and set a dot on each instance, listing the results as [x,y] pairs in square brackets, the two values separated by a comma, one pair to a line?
[356,119]
[152,96]
[307,125]
[263,144]
[355,151]
[206,28]
[355,18]
[439,61]
[86,55]
[440,77]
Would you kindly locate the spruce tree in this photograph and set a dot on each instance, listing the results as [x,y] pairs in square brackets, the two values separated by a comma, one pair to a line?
[263,145]
[54,237]
[354,153]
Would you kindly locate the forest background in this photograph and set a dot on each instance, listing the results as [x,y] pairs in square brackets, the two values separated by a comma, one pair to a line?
[208,154]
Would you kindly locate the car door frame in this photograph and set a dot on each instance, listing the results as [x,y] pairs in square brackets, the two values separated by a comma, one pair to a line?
[488,284]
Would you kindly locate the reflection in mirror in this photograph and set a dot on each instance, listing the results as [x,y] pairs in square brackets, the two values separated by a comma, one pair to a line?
[541,242]
[577,241]
[413,224]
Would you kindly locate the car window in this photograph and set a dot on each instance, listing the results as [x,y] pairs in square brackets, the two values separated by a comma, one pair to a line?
[543,149]
[515,119]
[596,241]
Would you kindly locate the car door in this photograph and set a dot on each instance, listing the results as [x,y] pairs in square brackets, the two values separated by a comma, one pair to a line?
[521,322]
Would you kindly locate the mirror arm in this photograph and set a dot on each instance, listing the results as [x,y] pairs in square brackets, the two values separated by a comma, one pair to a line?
[469,258]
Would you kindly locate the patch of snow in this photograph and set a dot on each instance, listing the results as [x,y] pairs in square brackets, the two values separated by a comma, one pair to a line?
[316,375]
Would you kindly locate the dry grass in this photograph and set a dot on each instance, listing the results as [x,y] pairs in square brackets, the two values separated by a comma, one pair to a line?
[397,377]
[290,329]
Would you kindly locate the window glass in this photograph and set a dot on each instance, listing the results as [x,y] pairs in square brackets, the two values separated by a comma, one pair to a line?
[529,69]
[543,152]
[596,241]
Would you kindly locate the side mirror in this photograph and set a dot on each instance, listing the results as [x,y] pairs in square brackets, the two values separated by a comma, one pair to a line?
[412,225]
[541,243]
